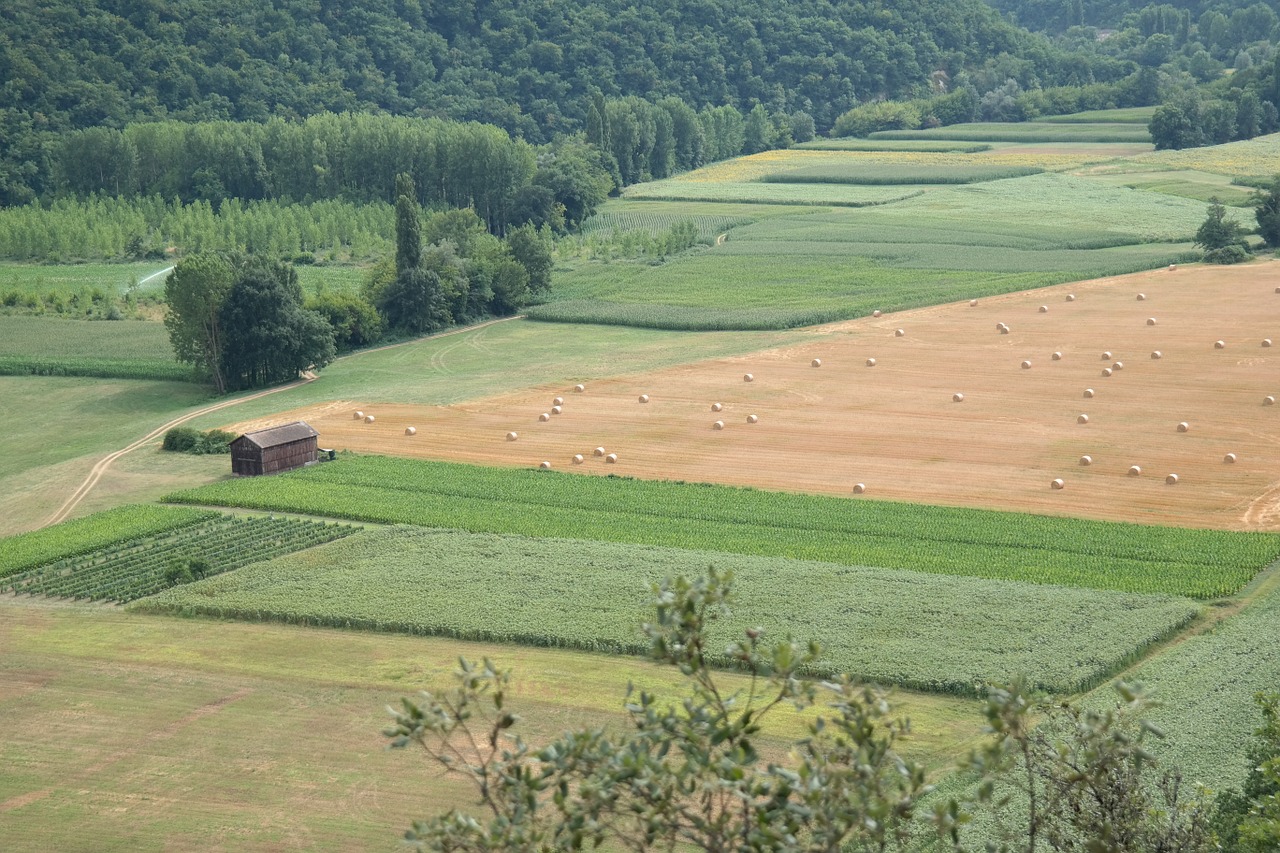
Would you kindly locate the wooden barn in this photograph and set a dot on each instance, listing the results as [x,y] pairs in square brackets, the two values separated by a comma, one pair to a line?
[268,451]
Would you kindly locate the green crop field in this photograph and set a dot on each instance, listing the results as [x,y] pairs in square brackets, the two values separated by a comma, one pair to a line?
[125,349]
[878,174]
[1027,131]
[592,595]
[942,540]
[855,144]
[675,189]
[946,244]
[135,568]
[85,535]
[1124,115]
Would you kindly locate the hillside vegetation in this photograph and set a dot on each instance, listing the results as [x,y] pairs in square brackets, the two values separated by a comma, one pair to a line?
[526,68]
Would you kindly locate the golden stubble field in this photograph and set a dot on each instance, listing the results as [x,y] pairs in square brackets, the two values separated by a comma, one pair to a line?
[896,427]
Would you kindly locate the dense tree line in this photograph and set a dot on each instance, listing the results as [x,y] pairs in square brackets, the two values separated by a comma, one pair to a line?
[1060,15]
[527,68]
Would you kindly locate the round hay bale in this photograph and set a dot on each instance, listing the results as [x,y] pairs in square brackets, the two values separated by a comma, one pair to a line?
[359,416]
[871,362]
[957,398]
[1171,479]
[859,488]
[1004,330]
[1142,297]
[973,303]
[544,465]
[545,416]
[577,459]
[1088,392]
[1071,297]
[1172,267]
[1135,471]
[899,333]
[747,377]
[1119,365]
[1082,419]
[1268,400]
[1219,344]
[1184,426]
[1266,342]
[877,313]
[1278,290]
[751,419]
[368,419]
[511,436]
[1106,371]
[1229,458]
[817,362]
[1086,460]
[1151,321]
[579,388]
[1057,484]
[1001,327]
[599,451]
[715,407]
[1044,309]
[410,431]
[644,398]
[1026,365]
[1106,356]
[1156,355]
[555,410]
[611,459]
[558,401]
[1057,356]
[718,425]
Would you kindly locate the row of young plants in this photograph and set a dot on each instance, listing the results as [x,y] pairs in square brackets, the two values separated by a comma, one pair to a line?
[95,532]
[942,634]
[139,567]
[944,540]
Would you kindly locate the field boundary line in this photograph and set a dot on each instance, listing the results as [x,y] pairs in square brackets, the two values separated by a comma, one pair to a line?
[100,468]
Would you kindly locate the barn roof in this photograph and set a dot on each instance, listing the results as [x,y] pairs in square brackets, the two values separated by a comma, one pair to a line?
[276,436]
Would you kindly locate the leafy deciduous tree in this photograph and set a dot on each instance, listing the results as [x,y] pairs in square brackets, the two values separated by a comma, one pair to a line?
[194,293]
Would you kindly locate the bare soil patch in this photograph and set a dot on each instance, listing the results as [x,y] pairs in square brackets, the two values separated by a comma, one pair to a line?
[896,426]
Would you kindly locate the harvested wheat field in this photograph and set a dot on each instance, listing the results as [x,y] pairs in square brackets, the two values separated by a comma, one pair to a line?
[953,411]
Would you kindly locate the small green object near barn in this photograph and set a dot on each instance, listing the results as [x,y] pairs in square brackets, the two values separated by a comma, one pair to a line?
[269,451]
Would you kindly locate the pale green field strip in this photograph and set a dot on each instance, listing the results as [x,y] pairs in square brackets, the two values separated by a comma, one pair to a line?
[921,631]
[1027,131]
[1124,115]
[875,174]
[755,192]
[125,349]
[941,540]
[855,144]
[85,535]
[135,568]
[1186,183]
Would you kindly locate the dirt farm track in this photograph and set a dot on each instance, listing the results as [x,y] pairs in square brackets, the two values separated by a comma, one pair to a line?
[896,426]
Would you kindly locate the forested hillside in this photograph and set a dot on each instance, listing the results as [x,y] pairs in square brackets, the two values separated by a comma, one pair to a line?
[528,68]
[1241,16]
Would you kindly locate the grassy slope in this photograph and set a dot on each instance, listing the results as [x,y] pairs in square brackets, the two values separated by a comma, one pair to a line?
[143,734]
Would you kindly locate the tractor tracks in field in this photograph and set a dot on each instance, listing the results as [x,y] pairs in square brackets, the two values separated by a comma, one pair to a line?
[101,466]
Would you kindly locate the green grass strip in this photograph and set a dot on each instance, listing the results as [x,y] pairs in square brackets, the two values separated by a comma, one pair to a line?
[928,632]
[942,540]
[72,538]
[99,368]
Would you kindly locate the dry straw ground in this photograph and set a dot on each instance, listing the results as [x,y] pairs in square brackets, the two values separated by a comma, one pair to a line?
[896,427]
